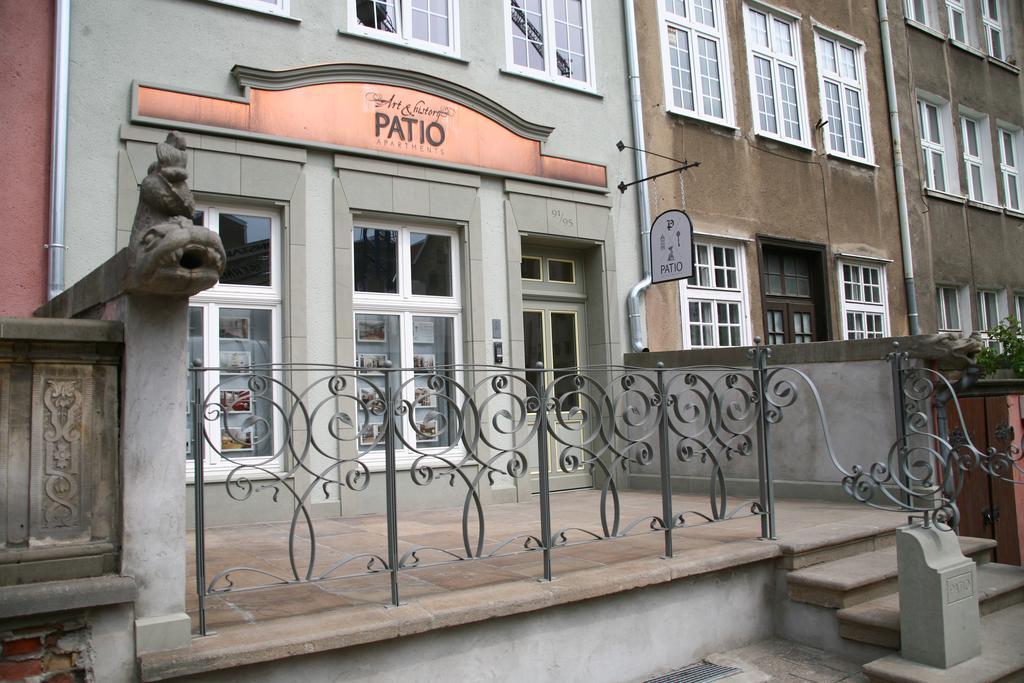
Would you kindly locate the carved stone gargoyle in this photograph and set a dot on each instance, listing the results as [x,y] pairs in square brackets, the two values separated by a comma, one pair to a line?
[168,254]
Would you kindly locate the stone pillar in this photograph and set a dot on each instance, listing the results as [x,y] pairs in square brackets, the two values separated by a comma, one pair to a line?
[146,287]
[153,461]
[939,620]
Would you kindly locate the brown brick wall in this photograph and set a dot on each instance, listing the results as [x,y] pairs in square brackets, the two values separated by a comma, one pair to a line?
[50,653]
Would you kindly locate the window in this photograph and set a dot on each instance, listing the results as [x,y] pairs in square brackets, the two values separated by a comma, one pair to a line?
[990,313]
[776,76]
[864,301]
[948,310]
[233,326]
[978,164]
[992,23]
[268,6]
[917,10]
[972,158]
[427,24]
[714,308]
[844,98]
[530,26]
[1009,166]
[407,312]
[1018,306]
[934,119]
[957,21]
[696,59]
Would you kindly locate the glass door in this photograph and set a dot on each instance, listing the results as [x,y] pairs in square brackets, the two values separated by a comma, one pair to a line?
[551,332]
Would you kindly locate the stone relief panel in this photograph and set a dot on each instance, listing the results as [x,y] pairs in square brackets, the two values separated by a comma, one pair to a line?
[62,403]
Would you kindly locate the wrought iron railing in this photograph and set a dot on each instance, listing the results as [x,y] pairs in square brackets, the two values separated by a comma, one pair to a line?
[923,472]
[290,431]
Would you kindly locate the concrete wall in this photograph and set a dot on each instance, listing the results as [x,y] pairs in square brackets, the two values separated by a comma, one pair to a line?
[957,242]
[749,186]
[628,636]
[854,382]
[26,50]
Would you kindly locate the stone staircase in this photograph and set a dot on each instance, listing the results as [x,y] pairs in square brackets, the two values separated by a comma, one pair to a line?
[861,590]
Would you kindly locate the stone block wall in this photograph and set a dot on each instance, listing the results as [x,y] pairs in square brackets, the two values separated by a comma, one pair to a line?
[59,461]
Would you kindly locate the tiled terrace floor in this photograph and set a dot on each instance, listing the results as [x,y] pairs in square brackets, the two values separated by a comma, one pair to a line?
[265,547]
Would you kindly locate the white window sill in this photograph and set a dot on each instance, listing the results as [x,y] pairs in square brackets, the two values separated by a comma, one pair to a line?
[265,12]
[785,141]
[985,206]
[925,28]
[969,49]
[381,37]
[213,474]
[1006,65]
[853,160]
[945,196]
[539,77]
[694,117]
[1013,212]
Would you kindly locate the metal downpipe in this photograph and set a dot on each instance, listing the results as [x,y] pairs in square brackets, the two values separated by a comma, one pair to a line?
[58,147]
[633,307]
[897,160]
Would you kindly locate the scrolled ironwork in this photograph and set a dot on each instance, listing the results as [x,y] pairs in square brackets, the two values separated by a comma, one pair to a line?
[301,434]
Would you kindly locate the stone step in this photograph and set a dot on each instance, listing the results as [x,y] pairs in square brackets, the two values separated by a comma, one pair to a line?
[878,621]
[1001,659]
[853,580]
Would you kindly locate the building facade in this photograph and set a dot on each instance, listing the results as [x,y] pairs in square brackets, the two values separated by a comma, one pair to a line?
[961,113]
[407,182]
[794,207]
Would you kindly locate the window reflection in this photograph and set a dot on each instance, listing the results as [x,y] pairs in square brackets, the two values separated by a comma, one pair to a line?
[375,257]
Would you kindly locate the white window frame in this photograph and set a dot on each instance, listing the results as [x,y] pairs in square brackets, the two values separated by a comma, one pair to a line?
[406,305]
[1018,306]
[845,85]
[276,7]
[252,297]
[985,193]
[695,31]
[403,34]
[1010,173]
[943,148]
[984,324]
[926,17]
[958,8]
[690,293]
[953,296]
[857,304]
[550,70]
[994,24]
[777,60]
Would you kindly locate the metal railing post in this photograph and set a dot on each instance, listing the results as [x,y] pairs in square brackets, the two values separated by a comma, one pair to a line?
[196,449]
[666,461]
[897,367]
[544,476]
[391,475]
[764,460]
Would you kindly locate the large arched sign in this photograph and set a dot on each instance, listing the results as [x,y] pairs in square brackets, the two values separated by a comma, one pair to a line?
[356,107]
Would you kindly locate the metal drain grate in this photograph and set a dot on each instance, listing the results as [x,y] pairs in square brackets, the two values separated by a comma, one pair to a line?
[701,672]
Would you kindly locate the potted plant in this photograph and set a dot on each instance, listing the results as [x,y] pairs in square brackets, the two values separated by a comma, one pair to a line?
[1006,359]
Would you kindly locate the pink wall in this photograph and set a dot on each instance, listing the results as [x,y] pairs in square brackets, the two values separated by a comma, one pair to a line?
[26,53]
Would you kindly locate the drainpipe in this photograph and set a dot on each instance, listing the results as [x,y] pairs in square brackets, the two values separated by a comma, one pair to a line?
[59,147]
[636,323]
[897,161]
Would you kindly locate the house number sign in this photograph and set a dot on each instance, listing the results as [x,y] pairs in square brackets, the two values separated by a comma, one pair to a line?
[671,247]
